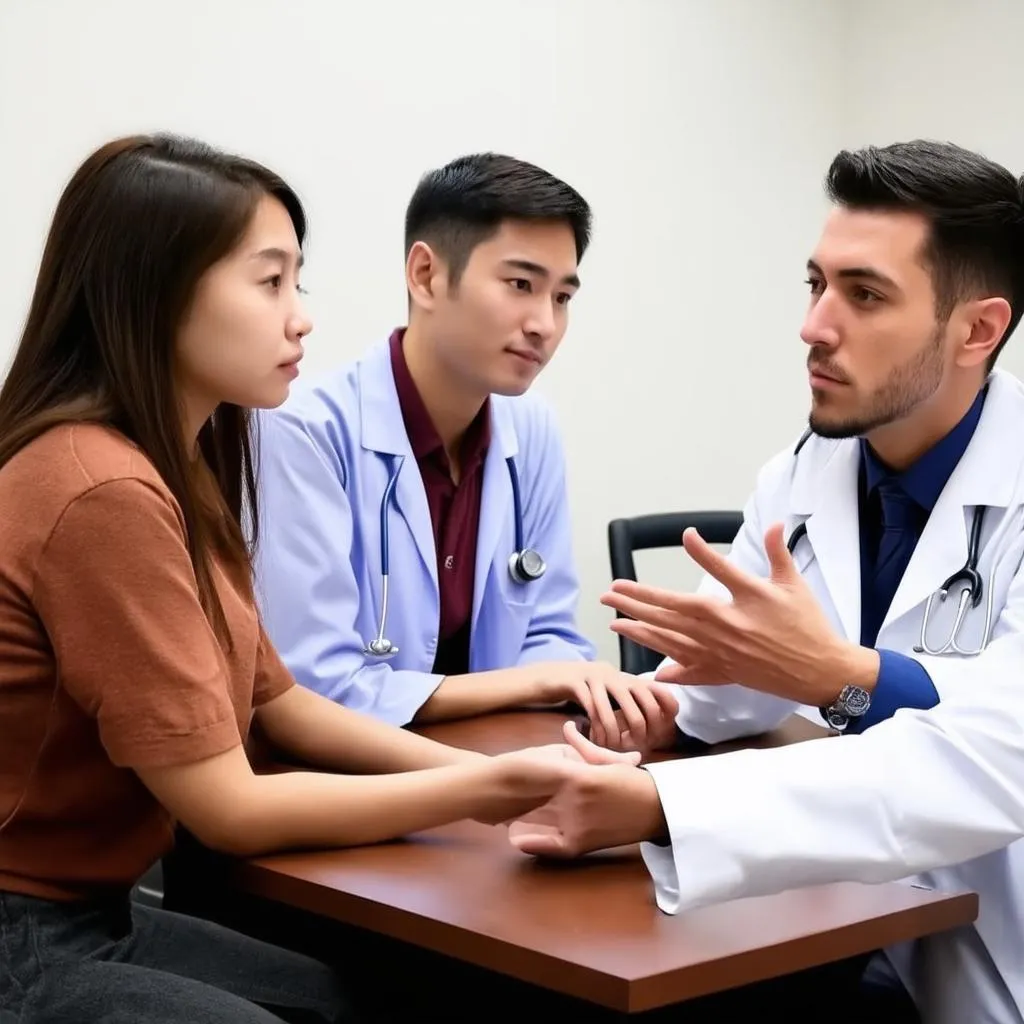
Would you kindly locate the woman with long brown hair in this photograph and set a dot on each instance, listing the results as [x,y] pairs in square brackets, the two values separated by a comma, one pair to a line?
[132,659]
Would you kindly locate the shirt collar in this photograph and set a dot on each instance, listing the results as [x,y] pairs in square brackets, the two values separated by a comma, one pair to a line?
[423,436]
[924,479]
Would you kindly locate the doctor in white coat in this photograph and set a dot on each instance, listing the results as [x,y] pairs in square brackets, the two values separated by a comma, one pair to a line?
[416,561]
[916,447]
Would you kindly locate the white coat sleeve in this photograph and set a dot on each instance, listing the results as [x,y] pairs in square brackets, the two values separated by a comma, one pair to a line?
[552,634]
[920,791]
[306,585]
[715,714]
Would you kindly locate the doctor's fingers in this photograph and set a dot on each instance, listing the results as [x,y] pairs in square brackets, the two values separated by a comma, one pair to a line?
[594,809]
[557,828]
[661,726]
[715,564]
[659,706]
[690,614]
[671,641]
[693,675]
[687,653]
[582,749]
[582,696]
[655,703]
[540,840]
[665,697]
[631,717]
[605,726]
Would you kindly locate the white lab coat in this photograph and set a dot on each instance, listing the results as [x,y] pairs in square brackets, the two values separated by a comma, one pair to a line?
[325,460]
[933,796]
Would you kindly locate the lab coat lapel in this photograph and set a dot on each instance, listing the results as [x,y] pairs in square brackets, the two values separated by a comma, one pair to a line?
[827,496]
[496,506]
[383,432]
[986,475]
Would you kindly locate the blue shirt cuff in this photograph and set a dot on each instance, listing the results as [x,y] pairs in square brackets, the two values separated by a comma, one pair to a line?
[902,683]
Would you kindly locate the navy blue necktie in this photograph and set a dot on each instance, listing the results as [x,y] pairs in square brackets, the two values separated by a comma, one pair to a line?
[895,547]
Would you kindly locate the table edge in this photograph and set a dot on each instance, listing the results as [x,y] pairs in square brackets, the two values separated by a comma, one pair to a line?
[613,991]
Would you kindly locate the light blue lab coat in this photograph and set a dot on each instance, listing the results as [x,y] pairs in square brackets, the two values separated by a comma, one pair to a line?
[325,460]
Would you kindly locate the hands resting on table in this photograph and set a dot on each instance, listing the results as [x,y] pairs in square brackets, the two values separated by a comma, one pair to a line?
[526,778]
[768,634]
[600,799]
[645,719]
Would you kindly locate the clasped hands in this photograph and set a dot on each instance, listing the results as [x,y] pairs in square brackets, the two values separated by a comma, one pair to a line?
[770,634]
[644,719]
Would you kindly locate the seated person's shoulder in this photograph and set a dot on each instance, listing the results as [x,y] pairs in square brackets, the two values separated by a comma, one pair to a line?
[66,463]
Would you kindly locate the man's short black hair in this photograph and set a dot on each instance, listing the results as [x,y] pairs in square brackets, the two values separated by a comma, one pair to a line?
[975,209]
[460,205]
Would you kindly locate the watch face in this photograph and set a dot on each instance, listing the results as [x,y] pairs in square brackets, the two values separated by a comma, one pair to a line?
[855,699]
[837,720]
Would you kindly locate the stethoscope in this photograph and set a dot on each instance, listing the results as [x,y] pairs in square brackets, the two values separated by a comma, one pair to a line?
[970,594]
[968,579]
[524,564]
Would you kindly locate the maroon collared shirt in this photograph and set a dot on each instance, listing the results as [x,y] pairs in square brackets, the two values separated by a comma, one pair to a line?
[454,510]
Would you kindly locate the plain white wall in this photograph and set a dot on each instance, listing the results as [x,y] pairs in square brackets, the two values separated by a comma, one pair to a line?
[940,69]
[699,130]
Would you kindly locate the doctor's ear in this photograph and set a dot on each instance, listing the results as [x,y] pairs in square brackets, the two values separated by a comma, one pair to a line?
[426,275]
[983,326]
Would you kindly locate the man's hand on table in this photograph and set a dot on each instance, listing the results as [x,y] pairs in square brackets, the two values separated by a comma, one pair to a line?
[600,803]
[525,779]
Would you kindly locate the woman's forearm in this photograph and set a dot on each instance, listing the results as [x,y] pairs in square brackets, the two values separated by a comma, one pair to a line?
[305,809]
[319,732]
[229,808]
[481,693]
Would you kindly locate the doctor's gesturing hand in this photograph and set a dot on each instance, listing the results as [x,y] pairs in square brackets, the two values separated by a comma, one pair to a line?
[772,636]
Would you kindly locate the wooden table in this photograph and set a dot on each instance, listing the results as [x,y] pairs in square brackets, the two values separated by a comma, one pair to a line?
[589,929]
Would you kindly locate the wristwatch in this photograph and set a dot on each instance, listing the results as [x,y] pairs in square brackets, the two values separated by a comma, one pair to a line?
[852,702]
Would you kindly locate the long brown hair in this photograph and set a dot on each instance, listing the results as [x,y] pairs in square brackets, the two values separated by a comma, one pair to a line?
[136,228]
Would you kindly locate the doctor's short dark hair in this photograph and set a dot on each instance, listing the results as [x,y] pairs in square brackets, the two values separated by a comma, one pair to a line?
[974,205]
[460,205]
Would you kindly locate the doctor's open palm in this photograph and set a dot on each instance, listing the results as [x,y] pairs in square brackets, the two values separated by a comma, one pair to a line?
[771,636]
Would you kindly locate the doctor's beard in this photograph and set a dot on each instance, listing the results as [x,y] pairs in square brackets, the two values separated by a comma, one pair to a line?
[908,387]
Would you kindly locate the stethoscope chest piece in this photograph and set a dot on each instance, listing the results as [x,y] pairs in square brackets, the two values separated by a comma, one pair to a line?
[381,647]
[526,566]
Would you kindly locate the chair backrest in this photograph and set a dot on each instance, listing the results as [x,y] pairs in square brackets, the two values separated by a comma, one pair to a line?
[659,531]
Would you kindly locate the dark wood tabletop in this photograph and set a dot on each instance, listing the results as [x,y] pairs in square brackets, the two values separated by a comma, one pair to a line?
[588,929]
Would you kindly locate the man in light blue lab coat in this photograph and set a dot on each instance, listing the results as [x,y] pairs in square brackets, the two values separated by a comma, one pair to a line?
[416,561]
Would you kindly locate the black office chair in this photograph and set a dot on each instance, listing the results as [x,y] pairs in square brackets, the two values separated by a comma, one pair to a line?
[664,530]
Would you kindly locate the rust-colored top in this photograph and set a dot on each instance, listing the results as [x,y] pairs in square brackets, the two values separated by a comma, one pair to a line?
[107,662]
